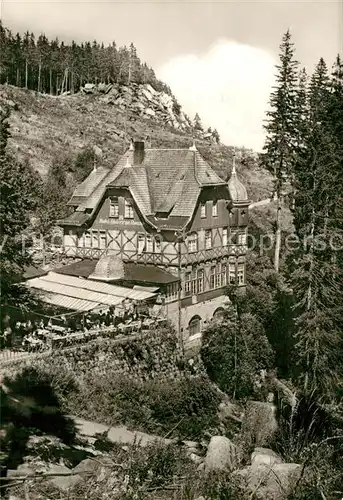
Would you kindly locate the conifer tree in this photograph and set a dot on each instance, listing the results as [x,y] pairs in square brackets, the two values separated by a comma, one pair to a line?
[197,122]
[53,67]
[18,199]
[280,145]
[315,276]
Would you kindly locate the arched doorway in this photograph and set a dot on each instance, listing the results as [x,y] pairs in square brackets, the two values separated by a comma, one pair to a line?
[218,314]
[194,326]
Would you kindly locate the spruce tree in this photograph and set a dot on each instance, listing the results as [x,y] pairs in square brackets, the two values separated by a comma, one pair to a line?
[280,145]
[315,276]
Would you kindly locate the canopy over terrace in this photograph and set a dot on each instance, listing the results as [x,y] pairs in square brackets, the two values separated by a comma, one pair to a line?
[83,295]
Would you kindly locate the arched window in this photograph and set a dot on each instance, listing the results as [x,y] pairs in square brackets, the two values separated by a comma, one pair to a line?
[218,314]
[194,326]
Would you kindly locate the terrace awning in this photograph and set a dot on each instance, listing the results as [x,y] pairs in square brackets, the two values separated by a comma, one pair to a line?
[81,294]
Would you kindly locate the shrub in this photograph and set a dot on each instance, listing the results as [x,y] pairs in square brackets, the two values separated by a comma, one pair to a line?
[29,406]
[234,352]
[185,407]
[156,465]
[304,426]
[222,486]
[189,403]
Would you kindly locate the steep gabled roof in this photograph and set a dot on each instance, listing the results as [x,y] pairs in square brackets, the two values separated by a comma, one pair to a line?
[96,196]
[87,187]
[168,181]
[135,178]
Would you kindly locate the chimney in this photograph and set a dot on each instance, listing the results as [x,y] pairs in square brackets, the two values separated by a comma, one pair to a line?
[138,152]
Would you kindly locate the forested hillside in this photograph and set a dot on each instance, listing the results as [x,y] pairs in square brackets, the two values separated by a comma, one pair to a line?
[53,67]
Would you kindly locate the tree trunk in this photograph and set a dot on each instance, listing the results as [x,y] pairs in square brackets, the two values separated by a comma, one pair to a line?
[26,73]
[66,83]
[18,78]
[50,80]
[277,236]
[39,74]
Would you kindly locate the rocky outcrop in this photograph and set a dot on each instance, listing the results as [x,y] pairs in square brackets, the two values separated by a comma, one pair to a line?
[221,455]
[144,101]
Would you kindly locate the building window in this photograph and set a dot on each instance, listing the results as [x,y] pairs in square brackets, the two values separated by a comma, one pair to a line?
[157,245]
[114,207]
[224,236]
[192,242]
[214,209]
[200,278]
[212,277]
[232,273]
[88,239]
[188,280]
[95,239]
[194,326]
[128,210]
[218,276]
[218,314]
[203,210]
[240,274]
[149,244]
[223,272]
[172,292]
[194,282]
[242,239]
[103,239]
[141,243]
[208,239]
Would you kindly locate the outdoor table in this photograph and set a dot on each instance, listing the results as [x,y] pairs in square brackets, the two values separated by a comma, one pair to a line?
[136,325]
[147,323]
[57,328]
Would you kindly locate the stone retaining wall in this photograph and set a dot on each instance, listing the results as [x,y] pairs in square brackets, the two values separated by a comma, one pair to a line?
[150,355]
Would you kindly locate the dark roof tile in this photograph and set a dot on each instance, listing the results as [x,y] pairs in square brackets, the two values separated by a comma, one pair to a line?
[132,272]
[168,181]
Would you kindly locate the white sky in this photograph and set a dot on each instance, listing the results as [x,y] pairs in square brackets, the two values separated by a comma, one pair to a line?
[228,86]
[217,56]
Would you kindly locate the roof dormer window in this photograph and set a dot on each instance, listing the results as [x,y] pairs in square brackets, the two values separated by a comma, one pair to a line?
[128,211]
[114,207]
[203,210]
[214,209]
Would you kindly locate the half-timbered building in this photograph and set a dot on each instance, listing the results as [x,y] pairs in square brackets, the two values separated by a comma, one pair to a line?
[162,218]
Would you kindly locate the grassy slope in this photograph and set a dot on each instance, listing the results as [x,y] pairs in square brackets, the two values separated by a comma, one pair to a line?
[44,127]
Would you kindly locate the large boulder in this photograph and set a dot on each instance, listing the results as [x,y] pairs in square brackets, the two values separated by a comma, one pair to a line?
[269,483]
[88,88]
[259,423]
[64,480]
[22,470]
[221,454]
[265,456]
